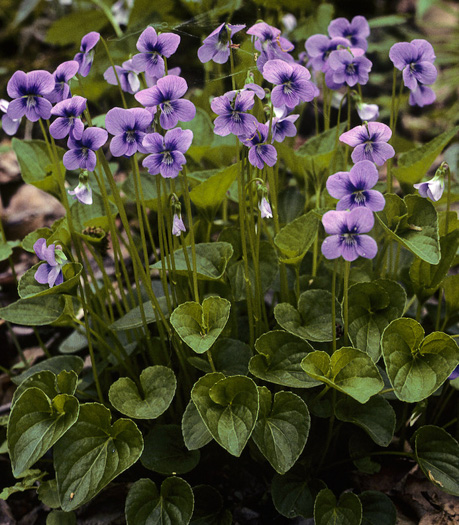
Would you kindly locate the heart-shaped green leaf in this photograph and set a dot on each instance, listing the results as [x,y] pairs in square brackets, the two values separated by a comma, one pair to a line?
[372,306]
[417,366]
[56,364]
[47,382]
[29,287]
[282,428]
[195,433]
[229,408]
[413,222]
[377,508]
[92,453]
[133,318]
[313,319]
[376,417]
[146,506]
[279,360]
[199,326]
[348,510]
[437,453]
[158,384]
[210,193]
[295,238]
[349,370]
[36,423]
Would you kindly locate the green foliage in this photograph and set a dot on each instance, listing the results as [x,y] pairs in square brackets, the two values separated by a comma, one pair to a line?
[327,511]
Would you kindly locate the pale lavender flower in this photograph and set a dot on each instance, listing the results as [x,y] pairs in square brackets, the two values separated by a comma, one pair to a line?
[68,122]
[355,31]
[346,239]
[177,225]
[232,118]
[167,94]
[292,83]
[49,272]
[369,142]
[121,11]
[216,46]
[9,125]
[433,188]
[167,153]
[81,151]
[260,153]
[421,96]
[63,74]
[415,59]
[86,55]
[353,188]
[265,209]
[128,76]
[348,67]
[319,47]
[367,112]
[152,48]
[82,193]
[270,43]
[152,81]
[454,374]
[283,127]
[29,91]
[129,128]
[290,22]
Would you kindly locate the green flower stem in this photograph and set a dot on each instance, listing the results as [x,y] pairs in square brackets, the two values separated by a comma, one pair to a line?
[108,13]
[448,201]
[333,290]
[233,78]
[315,246]
[188,264]
[347,269]
[186,195]
[170,247]
[438,317]
[17,345]
[123,98]
[419,311]
[211,361]
[296,267]
[41,343]
[140,209]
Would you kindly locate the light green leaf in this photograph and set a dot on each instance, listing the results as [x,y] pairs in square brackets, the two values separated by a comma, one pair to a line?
[279,360]
[313,319]
[71,28]
[295,239]
[172,505]
[377,508]
[348,510]
[437,453]
[47,382]
[376,417]
[349,370]
[29,482]
[210,194]
[282,428]
[228,407]
[29,287]
[133,318]
[199,326]
[211,260]
[6,249]
[451,287]
[417,366]
[47,494]
[60,517]
[92,453]
[195,433]
[165,451]
[35,311]
[36,422]
[158,389]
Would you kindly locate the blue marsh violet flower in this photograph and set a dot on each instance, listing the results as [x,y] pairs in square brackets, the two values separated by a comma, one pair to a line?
[369,142]
[415,59]
[167,153]
[292,84]
[82,193]
[167,95]
[367,111]
[49,272]
[81,151]
[128,76]
[260,153]
[356,31]
[265,209]
[319,47]
[177,225]
[282,127]
[421,96]
[270,43]
[152,48]
[347,67]
[433,188]
[29,91]
[129,129]
[9,125]
[232,118]
[353,188]
[454,373]
[68,120]
[86,55]
[216,46]
[346,239]
[63,74]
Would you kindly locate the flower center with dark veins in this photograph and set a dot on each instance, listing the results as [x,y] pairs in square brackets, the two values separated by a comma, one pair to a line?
[287,87]
[359,196]
[31,101]
[350,69]
[167,158]
[131,136]
[167,108]
[236,116]
[368,145]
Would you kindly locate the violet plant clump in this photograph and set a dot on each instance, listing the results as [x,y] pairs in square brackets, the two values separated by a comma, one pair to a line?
[304,321]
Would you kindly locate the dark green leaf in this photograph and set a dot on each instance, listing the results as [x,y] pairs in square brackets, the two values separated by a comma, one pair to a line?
[295,239]
[378,508]
[348,510]
[195,433]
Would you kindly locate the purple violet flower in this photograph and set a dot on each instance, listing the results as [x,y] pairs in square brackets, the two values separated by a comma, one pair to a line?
[129,129]
[347,67]
[68,122]
[167,153]
[152,81]
[415,59]
[354,188]
[216,46]
[367,111]
[152,48]
[319,48]
[177,225]
[260,153]
[369,142]
[270,43]
[9,125]
[265,209]
[63,74]
[82,193]
[167,94]
[421,96]
[51,271]
[128,76]
[433,188]
[345,229]
[355,31]
[283,127]
[454,373]
[86,55]
[292,83]
[29,91]
[232,117]
[81,151]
